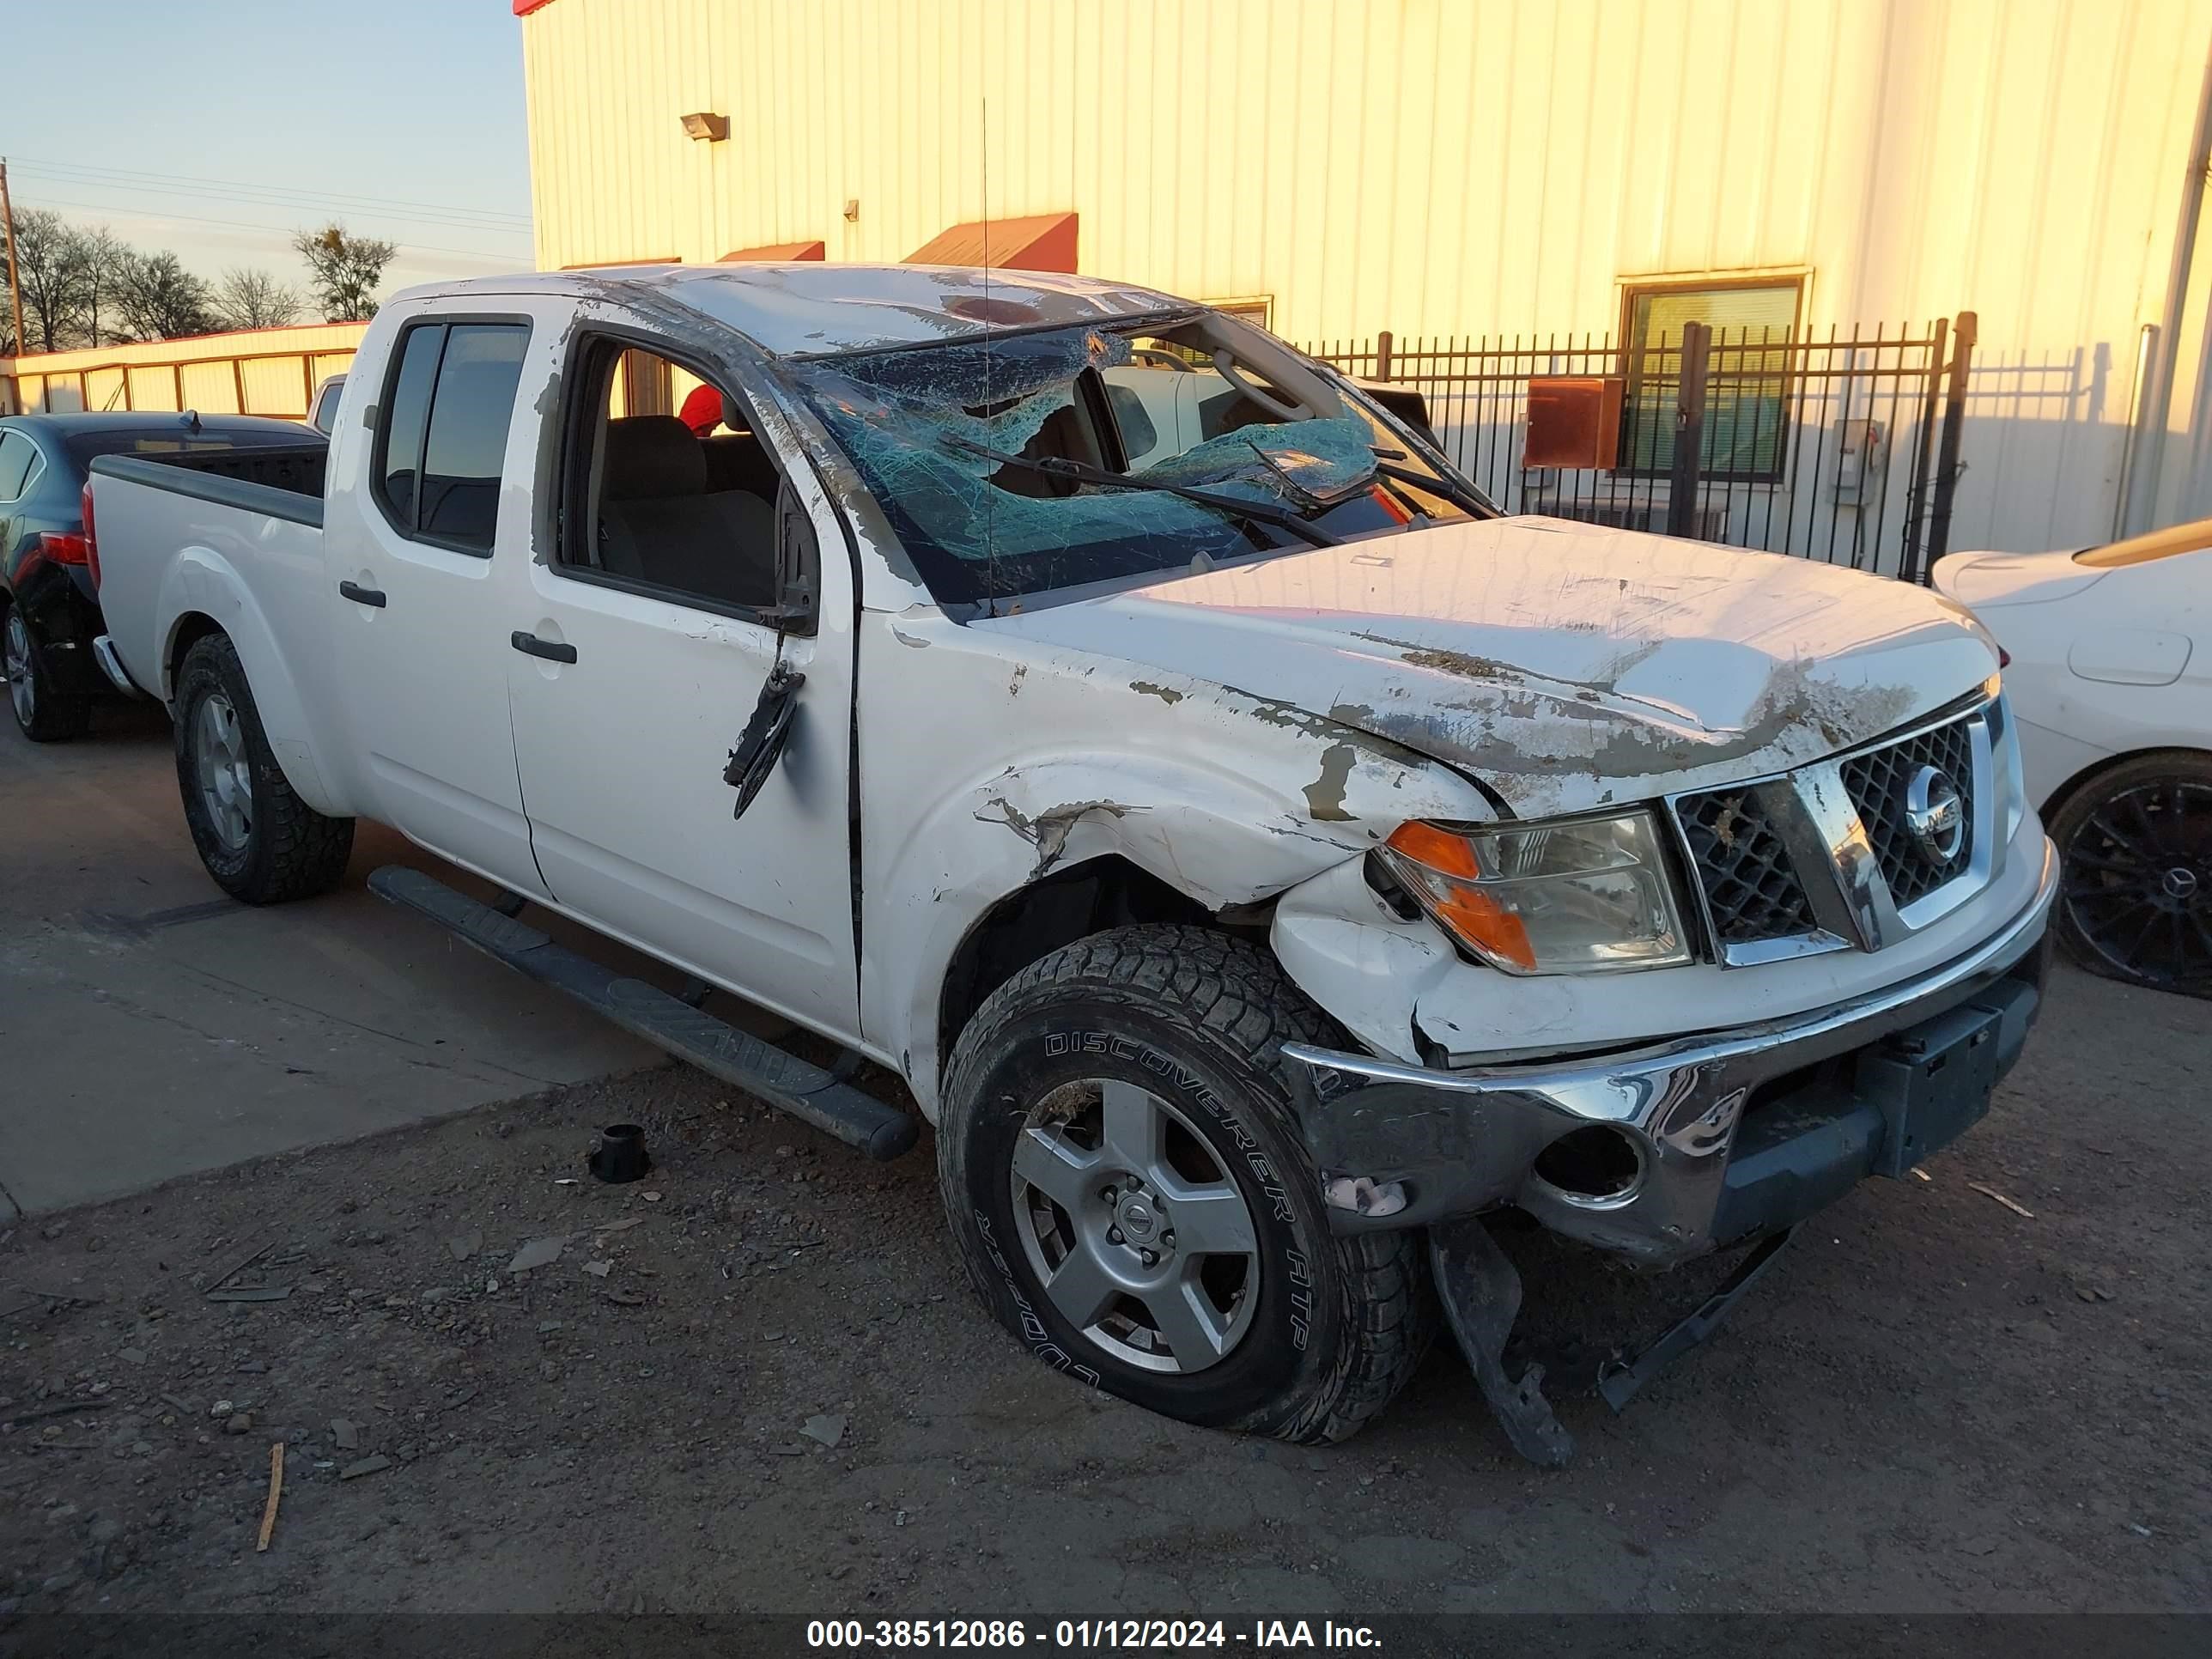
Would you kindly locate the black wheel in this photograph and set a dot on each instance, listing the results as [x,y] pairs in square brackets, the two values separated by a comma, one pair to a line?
[1118,1158]
[44,714]
[2136,845]
[259,840]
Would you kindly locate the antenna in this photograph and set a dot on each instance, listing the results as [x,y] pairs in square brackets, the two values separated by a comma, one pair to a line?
[990,391]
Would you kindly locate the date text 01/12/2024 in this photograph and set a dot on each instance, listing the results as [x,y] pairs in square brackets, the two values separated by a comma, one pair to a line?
[1167,1634]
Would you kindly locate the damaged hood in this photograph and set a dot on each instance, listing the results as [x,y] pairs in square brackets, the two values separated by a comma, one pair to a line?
[1564,664]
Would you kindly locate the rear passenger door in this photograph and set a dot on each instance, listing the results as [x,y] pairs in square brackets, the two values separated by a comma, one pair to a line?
[685,566]
[415,545]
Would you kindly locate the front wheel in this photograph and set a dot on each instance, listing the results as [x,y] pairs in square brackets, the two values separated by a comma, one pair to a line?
[1119,1161]
[2135,843]
[259,840]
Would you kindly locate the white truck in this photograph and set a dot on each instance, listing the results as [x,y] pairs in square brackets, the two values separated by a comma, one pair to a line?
[1261,858]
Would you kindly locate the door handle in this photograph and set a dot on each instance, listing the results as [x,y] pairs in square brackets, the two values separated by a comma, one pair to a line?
[551,650]
[372,597]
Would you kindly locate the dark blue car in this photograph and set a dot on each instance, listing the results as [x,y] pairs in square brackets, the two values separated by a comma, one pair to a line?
[49,598]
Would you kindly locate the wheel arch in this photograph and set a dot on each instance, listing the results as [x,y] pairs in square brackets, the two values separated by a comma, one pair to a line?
[2062,796]
[276,696]
[1041,916]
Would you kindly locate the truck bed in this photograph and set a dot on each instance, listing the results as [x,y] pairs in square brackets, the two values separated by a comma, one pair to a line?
[232,533]
[284,480]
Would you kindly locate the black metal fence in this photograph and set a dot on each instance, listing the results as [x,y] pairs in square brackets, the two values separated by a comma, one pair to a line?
[1843,449]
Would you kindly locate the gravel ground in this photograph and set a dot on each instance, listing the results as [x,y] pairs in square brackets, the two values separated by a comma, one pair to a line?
[755,1382]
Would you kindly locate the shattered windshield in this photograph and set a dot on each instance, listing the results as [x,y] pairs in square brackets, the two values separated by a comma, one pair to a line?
[1050,459]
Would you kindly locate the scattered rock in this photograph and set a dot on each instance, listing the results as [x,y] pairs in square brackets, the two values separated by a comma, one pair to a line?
[221,1408]
[598,1269]
[829,1428]
[345,1435]
[366,1466]
[238,1423]
[538,1253]
[465,1245]
[132,1356]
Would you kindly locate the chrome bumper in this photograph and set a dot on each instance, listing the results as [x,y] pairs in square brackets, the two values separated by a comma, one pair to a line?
[1731,1134]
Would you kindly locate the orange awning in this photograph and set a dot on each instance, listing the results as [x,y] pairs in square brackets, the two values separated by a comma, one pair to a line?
[775,250]
[1042,241]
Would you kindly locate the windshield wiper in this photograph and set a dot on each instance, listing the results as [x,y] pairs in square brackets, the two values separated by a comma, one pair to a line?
[1054,466]
[1436,484]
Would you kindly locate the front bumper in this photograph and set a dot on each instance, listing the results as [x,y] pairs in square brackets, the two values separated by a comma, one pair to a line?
[1726,1135]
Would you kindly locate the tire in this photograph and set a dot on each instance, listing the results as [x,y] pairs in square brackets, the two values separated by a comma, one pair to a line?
[259,840]
[2135,901]
[42,714]
[1192,1022]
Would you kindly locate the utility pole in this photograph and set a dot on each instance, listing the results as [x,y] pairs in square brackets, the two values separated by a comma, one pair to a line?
[15,282]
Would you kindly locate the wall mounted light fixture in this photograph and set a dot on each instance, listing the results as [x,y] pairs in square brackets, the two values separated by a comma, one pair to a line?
[705,124]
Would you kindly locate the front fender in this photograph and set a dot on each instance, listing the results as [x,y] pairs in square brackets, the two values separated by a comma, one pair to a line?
[1226,798]
[201,582]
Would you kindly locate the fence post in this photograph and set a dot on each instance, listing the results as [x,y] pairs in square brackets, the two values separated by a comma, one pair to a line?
[1689,470]
[1383,342]
[1915,494]
[1947,459]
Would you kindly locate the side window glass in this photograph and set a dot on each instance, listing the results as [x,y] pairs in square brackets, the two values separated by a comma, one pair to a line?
[470,415]
[444,430]
[406,417]
[690,505]
[16,458]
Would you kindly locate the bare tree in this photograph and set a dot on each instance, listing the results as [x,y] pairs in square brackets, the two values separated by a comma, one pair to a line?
[46,266]
[342,270]
[102,263]
[159,299]
[254,299]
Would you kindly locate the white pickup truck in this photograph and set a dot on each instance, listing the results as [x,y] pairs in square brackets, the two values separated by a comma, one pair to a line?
[1260,858]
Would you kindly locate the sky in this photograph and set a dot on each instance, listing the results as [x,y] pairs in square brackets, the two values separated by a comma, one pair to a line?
[217,129]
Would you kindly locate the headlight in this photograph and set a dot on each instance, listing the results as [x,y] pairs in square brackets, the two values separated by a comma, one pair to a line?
[1587,896]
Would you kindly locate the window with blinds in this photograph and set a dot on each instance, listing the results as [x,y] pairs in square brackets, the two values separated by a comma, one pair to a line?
[1747,389]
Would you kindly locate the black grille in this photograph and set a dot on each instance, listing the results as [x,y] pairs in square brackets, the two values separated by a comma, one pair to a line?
[1877,782]
[1750,888]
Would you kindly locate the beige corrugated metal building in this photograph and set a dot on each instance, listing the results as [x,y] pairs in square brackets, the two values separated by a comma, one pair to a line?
[263,371]
[1459,168]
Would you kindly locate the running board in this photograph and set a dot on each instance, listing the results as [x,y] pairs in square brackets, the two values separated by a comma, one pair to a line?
[713,1045]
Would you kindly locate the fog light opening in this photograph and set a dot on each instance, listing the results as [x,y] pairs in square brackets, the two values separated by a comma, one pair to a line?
[1592,1162]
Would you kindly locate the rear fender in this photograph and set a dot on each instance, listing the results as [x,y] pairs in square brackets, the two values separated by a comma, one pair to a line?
[201,583]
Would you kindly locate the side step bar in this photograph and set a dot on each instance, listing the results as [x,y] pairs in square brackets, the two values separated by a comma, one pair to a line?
[713,1046]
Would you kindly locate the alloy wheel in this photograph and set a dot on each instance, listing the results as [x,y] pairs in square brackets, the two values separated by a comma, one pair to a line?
[1135,1227]
[226,775]
[2139,881]
[22,689]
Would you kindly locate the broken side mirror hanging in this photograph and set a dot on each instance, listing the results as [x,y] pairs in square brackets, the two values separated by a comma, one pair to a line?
[764,735]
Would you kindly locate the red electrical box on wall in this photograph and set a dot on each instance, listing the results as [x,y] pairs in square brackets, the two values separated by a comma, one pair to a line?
[1574,421]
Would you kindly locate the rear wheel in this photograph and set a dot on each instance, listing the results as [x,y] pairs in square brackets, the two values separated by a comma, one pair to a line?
[44,714]
[2136,845]
[1120,1162]
[259,840]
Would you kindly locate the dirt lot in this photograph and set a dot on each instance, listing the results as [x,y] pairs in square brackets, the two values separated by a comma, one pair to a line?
[1934,1403]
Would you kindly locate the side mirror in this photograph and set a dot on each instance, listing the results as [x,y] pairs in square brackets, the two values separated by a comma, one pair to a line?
[762,742]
